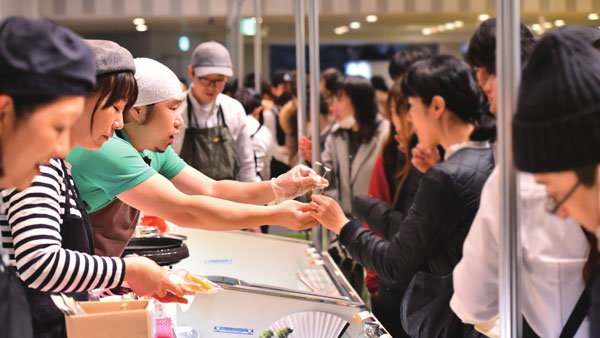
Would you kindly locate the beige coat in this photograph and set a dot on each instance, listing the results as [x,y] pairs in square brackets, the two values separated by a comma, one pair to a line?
[349,180]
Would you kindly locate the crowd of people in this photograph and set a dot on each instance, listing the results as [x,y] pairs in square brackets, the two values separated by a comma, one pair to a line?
[90,136]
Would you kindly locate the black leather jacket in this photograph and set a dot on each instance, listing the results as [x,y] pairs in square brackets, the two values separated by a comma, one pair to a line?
[431,235]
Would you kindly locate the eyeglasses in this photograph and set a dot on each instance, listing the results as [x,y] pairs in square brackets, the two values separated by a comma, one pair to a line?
[552,205]
[208,82]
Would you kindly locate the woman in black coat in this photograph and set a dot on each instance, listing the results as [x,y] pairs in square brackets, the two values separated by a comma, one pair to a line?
[444,106]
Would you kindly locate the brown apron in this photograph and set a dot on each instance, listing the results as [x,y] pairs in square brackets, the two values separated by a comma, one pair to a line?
[113,227]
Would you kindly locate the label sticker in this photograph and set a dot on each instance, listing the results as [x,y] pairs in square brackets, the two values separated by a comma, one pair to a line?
[218,261]
[233,330]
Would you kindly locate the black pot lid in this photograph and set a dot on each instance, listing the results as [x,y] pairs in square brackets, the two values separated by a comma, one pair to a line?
[164,251]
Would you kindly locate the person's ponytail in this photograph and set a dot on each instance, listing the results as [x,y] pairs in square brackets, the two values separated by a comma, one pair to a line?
[485,128]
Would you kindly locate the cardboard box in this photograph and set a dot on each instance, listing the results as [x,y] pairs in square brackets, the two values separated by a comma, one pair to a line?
[122,319]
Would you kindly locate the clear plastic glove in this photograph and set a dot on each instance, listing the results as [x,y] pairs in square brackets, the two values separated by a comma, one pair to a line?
[296,182]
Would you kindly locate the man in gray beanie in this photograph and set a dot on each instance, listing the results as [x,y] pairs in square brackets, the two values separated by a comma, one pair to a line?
[214,138]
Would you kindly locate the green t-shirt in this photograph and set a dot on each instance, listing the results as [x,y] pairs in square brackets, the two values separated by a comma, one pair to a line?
[100,175]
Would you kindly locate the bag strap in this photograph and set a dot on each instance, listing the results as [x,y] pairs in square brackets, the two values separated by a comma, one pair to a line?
[577,316]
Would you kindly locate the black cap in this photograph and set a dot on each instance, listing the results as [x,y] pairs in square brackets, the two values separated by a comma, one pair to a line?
[41,57]
[588,33]
[281,77]
[557,123]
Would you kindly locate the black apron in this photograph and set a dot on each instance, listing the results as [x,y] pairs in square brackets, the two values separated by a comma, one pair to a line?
[76,232]
[210,150]
[15,315]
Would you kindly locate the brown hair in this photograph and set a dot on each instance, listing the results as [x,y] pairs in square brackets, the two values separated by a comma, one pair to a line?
[396,104]
[114,87]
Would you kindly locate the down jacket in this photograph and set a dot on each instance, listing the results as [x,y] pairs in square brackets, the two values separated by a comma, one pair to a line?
[431,235]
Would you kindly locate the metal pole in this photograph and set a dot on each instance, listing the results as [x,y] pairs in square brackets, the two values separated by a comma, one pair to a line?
[240,44]
[300,73]
[257,46]
[313,51]
[508,70]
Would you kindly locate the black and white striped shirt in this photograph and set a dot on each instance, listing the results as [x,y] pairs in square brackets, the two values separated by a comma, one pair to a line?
[30,223]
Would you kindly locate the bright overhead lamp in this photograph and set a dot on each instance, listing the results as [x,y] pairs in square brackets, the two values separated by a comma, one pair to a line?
[341,30]
[139,21]
[559,23]
[536,27]
[141,28]
[372,18]
[458,24]
[547,25]
[441,28]
[483,17]
[593,16]
[449,26]
[426,31]
[355,25]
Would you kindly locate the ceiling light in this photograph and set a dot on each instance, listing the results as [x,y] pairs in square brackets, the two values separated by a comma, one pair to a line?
[371,18]
[355,25]
[559,23]
[426,31]
[341,30]
[433,30]
[449,26]
[483,17]
[593,16]
[547,25]
[141,28]
[441,28]
[536,27]
[458,24]
[139,21]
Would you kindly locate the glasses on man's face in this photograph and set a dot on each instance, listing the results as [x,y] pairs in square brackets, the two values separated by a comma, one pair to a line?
[552,205]
[208,82]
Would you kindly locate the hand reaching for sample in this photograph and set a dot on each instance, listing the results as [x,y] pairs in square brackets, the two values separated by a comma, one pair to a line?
[305,148]
[295,215]
[328,212]
[424,158]
[296,182]
[146,278]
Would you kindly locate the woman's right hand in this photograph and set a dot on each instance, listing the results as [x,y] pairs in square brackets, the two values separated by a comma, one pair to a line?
[295,215]
[305,148]
[424,158]
[146,278]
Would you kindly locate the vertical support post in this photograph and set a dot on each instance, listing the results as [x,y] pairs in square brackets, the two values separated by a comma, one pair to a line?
[300,73]
[313,51]
[257,45]
[508,70]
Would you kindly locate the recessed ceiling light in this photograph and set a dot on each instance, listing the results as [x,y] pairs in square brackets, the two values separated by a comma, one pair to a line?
[593,16]
[341,30]
[355,25]
[441,28]
[536,27]
[459,23]
[559,23]
[372,18]
[483,17]
[426,31]
[547,25]
[449,26]
[141,28]
[139,21]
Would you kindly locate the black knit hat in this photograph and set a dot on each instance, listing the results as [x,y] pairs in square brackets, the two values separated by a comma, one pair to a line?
[557,123]
[41,57]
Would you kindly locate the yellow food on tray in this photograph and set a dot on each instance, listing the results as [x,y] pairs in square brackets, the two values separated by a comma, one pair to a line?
[192,283]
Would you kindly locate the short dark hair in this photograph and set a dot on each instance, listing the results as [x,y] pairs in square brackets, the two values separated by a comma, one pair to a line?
[378,83]
[114,87]
[455,82]
[26,104]
[249,99]
[482,46]
[403,59]
[330,78]
[362,96]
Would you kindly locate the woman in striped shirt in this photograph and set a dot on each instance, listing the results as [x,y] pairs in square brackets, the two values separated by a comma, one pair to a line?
[46,229]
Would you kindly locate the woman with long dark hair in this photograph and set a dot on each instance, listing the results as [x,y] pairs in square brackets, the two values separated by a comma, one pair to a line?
[355,140]
[444,106]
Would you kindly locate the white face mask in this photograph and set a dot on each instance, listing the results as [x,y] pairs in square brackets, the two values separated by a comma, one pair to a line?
[347,122]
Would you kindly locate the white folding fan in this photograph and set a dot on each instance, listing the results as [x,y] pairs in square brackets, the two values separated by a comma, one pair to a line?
[307,324]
